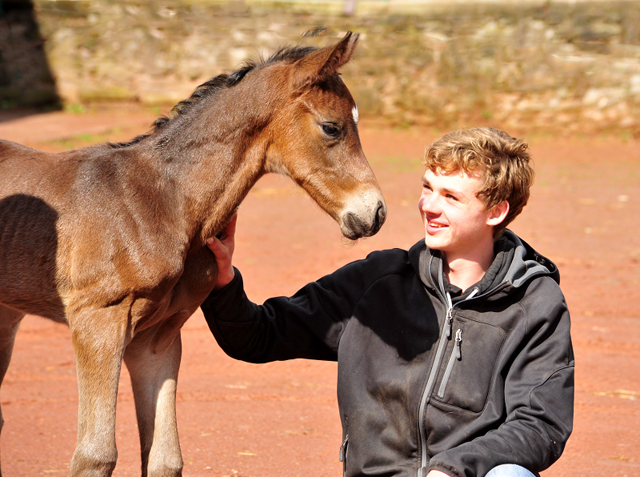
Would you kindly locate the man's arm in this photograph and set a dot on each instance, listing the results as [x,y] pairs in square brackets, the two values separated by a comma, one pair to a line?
[306,325]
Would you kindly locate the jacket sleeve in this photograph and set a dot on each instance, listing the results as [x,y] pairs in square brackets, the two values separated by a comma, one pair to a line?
[307,325]
[538,395]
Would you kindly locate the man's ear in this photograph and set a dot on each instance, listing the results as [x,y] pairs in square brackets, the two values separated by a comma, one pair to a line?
[324,62]
[498,213]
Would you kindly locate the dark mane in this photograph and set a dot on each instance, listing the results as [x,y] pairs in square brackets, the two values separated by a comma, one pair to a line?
[214,85]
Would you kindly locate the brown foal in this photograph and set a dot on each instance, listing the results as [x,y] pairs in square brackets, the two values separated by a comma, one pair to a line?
[111,239]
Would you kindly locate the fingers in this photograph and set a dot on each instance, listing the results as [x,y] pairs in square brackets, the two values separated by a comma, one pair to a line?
[229,231]
[215,245]
[221,249]
[223,246]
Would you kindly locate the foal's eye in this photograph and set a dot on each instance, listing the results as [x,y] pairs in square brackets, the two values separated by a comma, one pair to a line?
[330,129]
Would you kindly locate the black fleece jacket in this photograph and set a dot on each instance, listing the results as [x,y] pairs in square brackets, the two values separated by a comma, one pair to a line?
[428,377]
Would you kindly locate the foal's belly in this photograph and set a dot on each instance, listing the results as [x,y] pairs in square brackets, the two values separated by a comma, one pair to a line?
[28,249]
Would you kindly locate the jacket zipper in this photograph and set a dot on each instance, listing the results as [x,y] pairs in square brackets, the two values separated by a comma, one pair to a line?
[343,448]
[444,337]
[456,355]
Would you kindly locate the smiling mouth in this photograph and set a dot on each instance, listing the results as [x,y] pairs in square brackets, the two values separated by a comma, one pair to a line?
[437,226]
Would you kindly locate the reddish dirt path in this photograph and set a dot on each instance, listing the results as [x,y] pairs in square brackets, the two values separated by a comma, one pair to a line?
[279,419]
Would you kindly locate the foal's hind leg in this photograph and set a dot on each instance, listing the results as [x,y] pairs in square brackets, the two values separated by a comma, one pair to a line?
[9,323]
[154,375]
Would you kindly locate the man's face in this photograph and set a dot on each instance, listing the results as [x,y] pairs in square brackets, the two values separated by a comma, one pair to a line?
[456,221]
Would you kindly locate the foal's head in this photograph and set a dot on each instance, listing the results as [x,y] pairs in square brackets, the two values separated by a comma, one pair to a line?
[299,112]
[314,136]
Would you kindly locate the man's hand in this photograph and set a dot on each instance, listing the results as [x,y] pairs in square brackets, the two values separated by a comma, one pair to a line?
[223,247]
[437,473]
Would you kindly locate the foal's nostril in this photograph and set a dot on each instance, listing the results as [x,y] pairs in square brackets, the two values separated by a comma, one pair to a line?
[381,215]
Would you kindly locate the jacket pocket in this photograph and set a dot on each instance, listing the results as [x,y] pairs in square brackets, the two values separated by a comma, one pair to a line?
[456,355]
[471,368]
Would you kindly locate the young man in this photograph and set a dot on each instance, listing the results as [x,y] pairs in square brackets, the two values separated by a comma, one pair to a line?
[454,357]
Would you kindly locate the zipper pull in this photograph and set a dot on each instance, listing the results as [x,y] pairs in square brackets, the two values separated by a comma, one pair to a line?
[449,318]
[458,344]
[343,448]
[449,323]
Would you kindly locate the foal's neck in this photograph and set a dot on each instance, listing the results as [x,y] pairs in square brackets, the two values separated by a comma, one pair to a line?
[216,152]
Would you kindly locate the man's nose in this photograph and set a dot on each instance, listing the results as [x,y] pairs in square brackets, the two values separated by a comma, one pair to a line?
[429,203]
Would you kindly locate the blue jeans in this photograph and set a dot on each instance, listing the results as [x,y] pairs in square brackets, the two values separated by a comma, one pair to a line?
[509,470]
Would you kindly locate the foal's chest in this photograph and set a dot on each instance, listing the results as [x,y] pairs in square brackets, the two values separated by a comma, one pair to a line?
[197,280]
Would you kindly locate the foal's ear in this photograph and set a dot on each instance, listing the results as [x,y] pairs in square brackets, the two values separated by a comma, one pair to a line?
[324,62]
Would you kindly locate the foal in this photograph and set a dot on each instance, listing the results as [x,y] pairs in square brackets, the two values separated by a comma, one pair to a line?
[111,239]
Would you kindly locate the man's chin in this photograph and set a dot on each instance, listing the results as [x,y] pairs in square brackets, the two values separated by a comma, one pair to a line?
[433,243]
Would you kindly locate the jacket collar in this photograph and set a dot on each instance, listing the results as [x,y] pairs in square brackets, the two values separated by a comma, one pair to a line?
[515,264]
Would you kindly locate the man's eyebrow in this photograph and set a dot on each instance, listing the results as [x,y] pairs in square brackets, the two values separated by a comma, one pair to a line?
[451,191]
[445,190]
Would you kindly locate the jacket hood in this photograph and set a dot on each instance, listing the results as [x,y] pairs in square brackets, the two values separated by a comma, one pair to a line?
[516,263]
[527,263]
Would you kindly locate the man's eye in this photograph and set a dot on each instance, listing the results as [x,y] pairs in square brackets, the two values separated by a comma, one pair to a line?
[331,130]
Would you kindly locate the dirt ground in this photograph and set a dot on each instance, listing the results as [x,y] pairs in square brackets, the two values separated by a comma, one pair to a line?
[237,419]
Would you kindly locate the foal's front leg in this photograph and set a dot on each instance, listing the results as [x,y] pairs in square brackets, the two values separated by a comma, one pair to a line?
[154,376]
[98,342]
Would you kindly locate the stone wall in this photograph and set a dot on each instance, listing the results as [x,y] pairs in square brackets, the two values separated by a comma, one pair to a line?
[25,76]
[550,66]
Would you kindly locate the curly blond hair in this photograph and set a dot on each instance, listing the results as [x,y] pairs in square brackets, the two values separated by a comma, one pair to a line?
[502,161]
